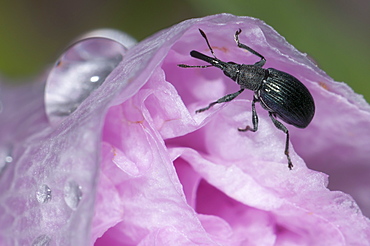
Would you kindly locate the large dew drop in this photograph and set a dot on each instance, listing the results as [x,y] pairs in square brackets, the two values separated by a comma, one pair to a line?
[78,72]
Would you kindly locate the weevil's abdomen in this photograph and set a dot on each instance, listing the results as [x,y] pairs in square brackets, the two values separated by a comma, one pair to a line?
[286,96]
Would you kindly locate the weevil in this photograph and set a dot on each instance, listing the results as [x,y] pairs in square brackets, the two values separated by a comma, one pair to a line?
[280,93]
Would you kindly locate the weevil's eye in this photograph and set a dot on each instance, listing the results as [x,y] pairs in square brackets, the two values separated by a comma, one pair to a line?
[78,72]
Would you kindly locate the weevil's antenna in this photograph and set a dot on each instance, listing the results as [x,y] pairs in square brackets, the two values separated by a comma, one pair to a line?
[209,46]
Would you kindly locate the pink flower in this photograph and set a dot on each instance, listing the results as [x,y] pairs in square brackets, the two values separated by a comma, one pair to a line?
[128,162]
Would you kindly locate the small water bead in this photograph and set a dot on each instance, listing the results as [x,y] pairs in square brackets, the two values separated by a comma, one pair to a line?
[5,157]
[42,240]
[72,194]
[79,71]
[43,194]
[8,159]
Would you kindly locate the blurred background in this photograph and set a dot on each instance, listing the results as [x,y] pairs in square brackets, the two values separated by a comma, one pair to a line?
[335,33]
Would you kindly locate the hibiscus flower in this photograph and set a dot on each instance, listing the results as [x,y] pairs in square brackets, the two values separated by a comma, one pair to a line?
[109,150]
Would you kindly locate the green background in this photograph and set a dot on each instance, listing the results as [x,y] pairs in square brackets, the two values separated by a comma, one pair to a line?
[335,33]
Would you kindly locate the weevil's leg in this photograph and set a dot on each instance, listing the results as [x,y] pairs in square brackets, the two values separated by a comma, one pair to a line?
[280,126]
[254,118]
[226,98]
[209,46]
[243,46]
[190,66]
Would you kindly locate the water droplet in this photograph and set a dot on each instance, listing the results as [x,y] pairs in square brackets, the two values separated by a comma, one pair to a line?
[78,72]
[8,159]
[43,194]
[5,158]
[41,240]
[72,194]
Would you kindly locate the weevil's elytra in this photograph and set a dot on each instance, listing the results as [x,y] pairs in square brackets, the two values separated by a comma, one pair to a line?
[280,93]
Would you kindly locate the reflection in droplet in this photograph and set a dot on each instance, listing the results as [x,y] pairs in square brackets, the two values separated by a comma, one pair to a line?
[43,194]
[78,72]
[41,240]
[94,79]
[72,194]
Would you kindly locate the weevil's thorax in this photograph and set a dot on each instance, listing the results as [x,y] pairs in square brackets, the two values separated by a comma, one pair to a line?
[251,76]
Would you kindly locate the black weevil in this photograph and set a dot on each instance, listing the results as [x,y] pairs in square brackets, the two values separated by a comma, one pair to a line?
[280,93]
